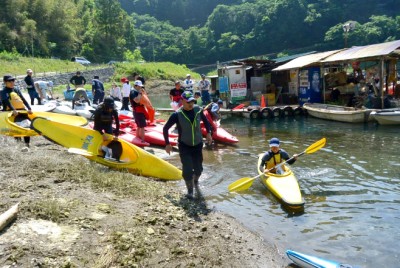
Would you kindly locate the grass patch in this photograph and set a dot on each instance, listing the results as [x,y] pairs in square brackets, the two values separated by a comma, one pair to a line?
[51,209]
[18,65]
[155,70]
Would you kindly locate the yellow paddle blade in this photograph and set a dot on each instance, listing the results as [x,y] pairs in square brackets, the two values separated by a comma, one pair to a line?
[316,146]
[241,184]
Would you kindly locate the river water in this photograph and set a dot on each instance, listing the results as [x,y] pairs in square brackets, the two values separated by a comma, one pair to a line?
[351,187]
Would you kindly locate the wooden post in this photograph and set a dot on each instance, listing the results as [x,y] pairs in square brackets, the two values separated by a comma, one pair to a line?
[7,217]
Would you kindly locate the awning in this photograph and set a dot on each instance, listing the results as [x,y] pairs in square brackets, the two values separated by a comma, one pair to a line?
[305,60]
[360,52]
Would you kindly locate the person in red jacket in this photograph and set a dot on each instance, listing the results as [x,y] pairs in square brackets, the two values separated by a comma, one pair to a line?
[175,95]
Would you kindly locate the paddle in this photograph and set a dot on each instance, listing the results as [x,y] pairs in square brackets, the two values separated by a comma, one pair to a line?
[246,182]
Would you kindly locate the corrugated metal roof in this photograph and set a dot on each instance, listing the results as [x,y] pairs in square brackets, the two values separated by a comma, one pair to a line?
[305,60]
[355,53]
[291,57]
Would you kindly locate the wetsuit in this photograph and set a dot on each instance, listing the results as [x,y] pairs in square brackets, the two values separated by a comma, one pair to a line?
[103,119]
[190,141]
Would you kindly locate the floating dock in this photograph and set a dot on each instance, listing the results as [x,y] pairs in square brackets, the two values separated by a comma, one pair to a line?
[257,112]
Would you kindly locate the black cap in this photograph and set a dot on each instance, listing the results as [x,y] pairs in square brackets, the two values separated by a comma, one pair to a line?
[108,102]
[8,78]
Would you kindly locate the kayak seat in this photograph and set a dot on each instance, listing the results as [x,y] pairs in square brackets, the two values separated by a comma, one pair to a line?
[116,148]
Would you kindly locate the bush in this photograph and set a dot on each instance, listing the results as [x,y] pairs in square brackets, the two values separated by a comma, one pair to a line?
[9,56]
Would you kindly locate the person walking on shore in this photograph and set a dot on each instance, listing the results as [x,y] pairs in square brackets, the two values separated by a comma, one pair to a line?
[190,140]
[31,87]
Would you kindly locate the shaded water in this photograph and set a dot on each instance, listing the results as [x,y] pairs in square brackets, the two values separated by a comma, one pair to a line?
[351,188]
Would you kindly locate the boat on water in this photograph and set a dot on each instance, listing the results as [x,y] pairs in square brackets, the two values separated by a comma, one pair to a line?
[19,126]
[308,261]
[386,117]
[337,113]
[89,143]
[284,187]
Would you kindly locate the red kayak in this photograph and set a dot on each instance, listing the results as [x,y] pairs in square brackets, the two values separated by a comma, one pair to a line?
[131,138]
[150,136]
[219,134]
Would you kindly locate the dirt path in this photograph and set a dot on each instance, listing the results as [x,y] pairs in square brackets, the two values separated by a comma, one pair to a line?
[75,213]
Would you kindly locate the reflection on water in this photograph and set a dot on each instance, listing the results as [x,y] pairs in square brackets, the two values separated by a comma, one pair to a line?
[351,187]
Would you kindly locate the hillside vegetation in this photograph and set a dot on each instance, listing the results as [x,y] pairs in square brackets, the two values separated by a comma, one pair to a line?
[14,64]
[191,32]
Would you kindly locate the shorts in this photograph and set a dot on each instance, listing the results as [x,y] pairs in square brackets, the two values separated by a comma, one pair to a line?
[140,120]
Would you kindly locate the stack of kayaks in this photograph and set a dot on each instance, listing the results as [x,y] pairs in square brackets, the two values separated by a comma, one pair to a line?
[284,187]
[308,261]
[153,133]
[88,142]
[19,126]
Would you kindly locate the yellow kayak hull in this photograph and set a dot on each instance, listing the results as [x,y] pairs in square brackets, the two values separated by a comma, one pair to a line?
[284,187]
[9,127]
[88,143]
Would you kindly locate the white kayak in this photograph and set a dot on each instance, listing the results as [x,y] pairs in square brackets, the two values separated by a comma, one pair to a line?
[46,107]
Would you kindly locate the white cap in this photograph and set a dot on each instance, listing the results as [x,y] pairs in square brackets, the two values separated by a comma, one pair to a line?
[187,75]
[29,71]
[138,83]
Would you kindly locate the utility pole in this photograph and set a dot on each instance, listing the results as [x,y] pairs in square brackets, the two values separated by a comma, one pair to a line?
[347,27]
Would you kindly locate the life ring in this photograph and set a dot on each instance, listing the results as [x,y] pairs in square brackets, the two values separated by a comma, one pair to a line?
[254,114]
[298,111]
[266,113]
[277,112]
[288,111]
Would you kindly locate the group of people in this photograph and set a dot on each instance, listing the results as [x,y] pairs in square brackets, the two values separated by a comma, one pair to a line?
[106,113]
[187,120]
[40,90]
[203,96]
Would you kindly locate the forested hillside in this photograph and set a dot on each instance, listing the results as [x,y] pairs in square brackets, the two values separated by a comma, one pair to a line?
[191,31]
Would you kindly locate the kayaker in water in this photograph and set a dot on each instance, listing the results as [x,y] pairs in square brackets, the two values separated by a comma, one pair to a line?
[190,140]
[274,157]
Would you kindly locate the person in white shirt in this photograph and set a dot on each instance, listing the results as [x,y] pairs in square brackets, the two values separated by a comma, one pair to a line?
[42,88]
[188,83]
[115,92]
[126,91]
[204,87]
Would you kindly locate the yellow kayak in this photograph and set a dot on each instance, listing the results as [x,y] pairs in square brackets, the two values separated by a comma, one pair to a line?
[284,187]
[88,142]
[19,126]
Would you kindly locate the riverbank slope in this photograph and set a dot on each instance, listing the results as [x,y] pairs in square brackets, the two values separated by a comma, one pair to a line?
[75,213]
